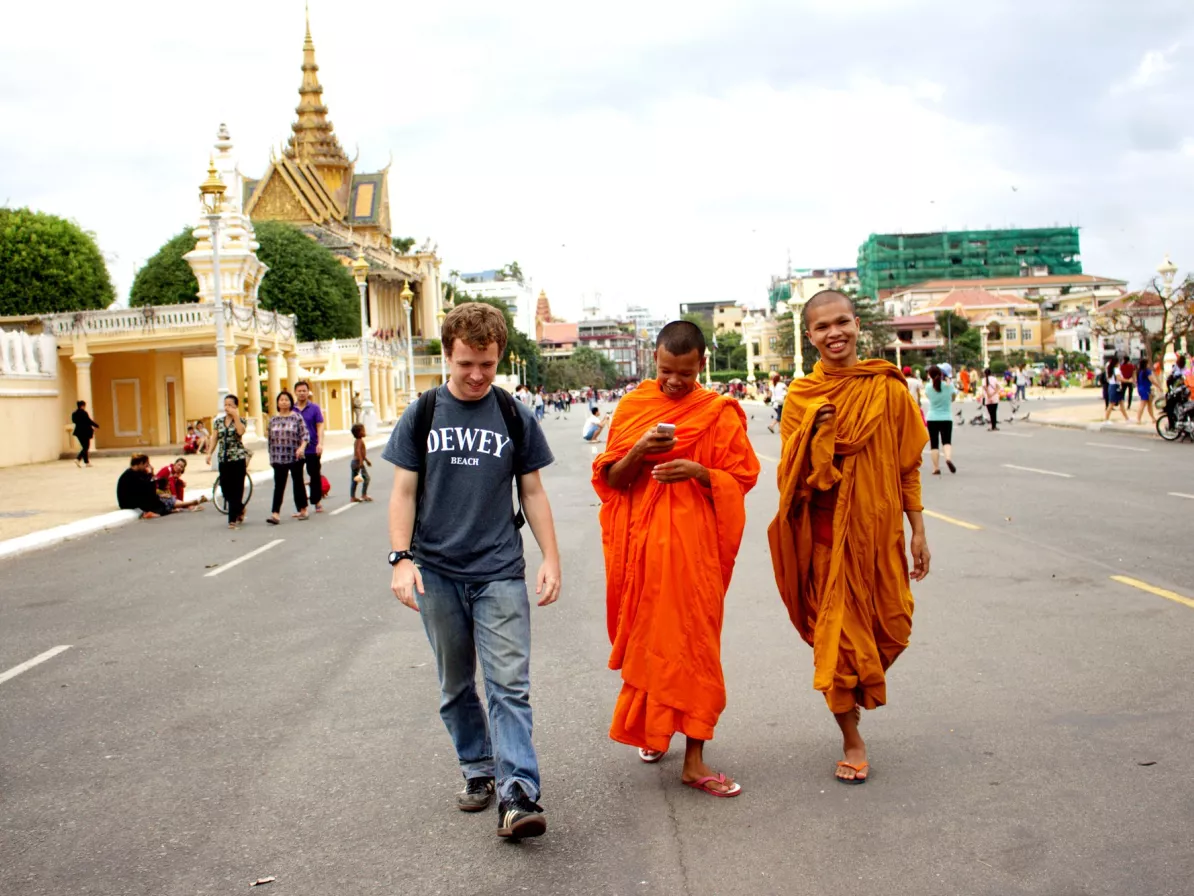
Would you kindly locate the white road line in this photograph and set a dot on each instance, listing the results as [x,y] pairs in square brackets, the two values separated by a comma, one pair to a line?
[29,664]
[1116,447]
[1180,495]
[249,556]
[342,509]
[1015,435]
[1042,472]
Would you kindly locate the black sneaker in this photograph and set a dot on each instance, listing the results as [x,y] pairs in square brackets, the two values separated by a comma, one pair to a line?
[520,816]
[476,796]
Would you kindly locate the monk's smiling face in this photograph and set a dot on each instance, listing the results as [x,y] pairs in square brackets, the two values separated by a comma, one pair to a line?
[833,330]
[677,374]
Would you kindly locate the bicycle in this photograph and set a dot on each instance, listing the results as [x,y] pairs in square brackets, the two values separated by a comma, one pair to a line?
[217,496]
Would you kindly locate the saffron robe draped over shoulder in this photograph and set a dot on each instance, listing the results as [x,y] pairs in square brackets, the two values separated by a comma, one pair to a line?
[837,543]
[669,555]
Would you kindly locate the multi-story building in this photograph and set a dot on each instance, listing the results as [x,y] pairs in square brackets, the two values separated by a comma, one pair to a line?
[890,261]
[1052,291]
[518,297]
[645,321]
[1007,323]
[802,284]
[620,342]
[707,310]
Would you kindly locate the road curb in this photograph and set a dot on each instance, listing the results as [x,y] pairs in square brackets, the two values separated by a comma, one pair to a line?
[48,538]
[1097,427]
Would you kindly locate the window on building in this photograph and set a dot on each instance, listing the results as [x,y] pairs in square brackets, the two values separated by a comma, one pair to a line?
[1026,334]
[773,343]
[775,368]
[1009,334]
[755,348]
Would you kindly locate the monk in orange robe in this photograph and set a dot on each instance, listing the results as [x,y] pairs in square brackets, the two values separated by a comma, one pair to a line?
[672,516]
[852,442]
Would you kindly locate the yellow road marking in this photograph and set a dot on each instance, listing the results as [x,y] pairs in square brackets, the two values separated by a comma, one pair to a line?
[950,519]
[1152,589]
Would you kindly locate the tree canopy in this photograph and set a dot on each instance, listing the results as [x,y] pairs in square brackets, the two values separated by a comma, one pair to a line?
[49,264]
[517,342]
[586,368]
[304,279]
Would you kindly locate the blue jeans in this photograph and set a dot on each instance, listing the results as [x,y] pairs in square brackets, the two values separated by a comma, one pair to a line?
[490,622]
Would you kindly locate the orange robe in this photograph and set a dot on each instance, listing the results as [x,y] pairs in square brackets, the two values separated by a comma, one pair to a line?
[669,554]
[837,543]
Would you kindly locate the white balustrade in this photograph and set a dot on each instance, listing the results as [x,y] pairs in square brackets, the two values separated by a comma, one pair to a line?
[194,316]
[27,356]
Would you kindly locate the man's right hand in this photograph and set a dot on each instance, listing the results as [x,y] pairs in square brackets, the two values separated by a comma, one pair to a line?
[824,415]
[655,442]
[403,583]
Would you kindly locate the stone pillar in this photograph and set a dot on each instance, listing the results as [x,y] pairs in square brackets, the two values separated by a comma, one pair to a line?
[256,422]
[374,382]
[274,376]
[292,374]
[236,385]
[388,389]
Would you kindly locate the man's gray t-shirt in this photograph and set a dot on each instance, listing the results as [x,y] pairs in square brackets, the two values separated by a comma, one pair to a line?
[465,527]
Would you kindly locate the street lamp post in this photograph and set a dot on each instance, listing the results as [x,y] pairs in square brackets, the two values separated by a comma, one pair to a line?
[211,194]
[406,296]
[1168,270]
[443,360]
[707,381]
[360,272]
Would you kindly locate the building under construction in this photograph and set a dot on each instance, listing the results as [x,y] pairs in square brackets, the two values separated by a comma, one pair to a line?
[888,261]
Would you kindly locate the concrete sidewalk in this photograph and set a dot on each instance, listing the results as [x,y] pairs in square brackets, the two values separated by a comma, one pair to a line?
[46,504]
[1089,416]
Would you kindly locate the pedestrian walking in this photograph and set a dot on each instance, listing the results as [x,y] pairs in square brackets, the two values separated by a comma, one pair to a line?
[313,416]
[232,459]
[940,420]
[1127,379]
[849,472]
[540,404]
[989,397]
[359,466]
[1021,380]
[672,482]
[1148,380]
[458,560]
[779,391]
[85,429]
[1115,397]
[287,438]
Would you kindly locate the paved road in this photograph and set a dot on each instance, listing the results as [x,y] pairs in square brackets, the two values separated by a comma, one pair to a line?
[279,718]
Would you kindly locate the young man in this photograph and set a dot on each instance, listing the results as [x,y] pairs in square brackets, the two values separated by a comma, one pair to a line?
[594,425]
[672,516]
[313,417]
[464,569]
[850,469]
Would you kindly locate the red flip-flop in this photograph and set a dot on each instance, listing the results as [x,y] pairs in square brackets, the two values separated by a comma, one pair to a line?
[703,784]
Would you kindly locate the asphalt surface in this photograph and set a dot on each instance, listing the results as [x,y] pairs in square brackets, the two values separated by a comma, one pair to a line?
[280,718]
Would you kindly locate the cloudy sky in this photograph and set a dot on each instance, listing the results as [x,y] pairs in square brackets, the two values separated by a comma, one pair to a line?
[646,152]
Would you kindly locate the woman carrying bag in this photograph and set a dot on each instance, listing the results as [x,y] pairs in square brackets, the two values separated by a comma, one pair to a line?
[287,447]
[233,459]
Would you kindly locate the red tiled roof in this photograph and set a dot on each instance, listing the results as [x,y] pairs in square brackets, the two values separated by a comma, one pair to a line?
[978,298]
[916,320]
[560,331]
[1146,299]
[1013,282]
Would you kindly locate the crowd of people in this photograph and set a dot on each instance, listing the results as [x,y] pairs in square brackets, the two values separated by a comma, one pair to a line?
[295,442]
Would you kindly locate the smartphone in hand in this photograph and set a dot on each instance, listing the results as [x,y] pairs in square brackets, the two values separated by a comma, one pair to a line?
[666,429]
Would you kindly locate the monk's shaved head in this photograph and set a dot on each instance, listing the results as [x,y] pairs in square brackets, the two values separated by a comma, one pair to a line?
[825,297]
[681,337]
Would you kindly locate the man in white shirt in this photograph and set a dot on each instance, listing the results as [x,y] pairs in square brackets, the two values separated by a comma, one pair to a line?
[779,392]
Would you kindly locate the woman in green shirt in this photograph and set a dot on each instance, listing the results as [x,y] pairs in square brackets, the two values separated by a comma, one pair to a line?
[940,393]
[233,459]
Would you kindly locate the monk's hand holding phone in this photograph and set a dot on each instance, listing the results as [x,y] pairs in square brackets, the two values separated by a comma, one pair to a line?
[656,441]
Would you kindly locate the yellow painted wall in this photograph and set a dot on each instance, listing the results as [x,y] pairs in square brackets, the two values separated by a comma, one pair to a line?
[200,395]
[32,425]
[129,396]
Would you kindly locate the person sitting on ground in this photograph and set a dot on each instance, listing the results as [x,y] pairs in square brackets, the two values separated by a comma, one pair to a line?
[169,479]
[190,445]
[135,490]
[203,436]
[594,426]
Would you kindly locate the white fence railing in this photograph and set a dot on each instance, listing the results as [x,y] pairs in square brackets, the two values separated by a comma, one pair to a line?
[158,318]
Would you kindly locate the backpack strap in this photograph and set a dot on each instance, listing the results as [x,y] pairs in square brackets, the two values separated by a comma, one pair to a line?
[424,415]
[516,429]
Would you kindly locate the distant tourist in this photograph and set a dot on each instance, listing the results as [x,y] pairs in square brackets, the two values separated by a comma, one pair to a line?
[233,459]
[1148,379]
[84,431]
[190,444]
[1113,382]
[779,392]
[135,490]
[287,437]
[594,425]
[1127,379]
[313,416]
[1021,379]
[940,420]
[203,435]
[990,398]
[359,467]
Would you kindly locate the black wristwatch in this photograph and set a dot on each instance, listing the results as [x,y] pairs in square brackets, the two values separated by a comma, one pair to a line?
[397,557]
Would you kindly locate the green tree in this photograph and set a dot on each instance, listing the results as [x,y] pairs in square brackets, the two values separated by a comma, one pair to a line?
[513,271]
[402,244]
[875,332]
[594,369]
[304,279]
[167,279]
[517,342]
[706,325]
[729,346]
[49,264]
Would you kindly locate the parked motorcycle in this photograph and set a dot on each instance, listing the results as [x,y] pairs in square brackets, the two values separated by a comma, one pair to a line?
[1177,417]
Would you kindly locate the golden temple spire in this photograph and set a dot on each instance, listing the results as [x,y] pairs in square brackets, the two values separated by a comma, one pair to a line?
[313,139]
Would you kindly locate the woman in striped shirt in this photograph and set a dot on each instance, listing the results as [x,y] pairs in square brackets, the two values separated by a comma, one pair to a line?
[287,444]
